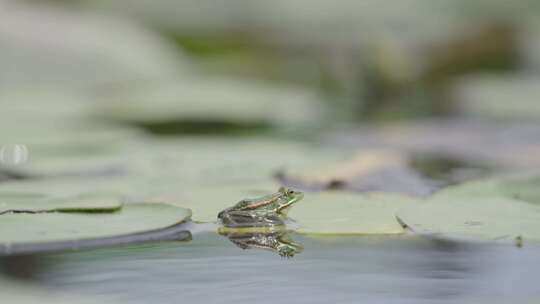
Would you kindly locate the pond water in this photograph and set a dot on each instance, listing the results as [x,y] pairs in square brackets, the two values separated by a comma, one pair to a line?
[348,269]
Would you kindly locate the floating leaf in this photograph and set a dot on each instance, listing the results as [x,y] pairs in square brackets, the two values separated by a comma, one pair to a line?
[113,48]
[349,213]
[20,229]
[366,171]
[502,208]
[520,187]
[502,97]
[68,187]
[341,172]
[37,202]
[526,189]
[196,104]
[66,149]
[488,218]
[225,160]
[71,139]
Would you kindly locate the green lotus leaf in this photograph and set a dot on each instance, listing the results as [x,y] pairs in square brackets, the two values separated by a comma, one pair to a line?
[487,218]
[210,103]
[375,170]
[499,96]
[69,187]
[23,228]
[32,202]
[526,189]
[502,208]
[222,160]
[520,187]
[66,149]
[349,213]
[55,135]
[115,49]
[68,139]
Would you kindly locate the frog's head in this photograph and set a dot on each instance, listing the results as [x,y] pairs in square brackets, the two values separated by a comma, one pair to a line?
[287,198]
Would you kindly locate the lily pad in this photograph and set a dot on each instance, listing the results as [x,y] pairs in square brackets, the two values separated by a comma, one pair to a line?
[221,160]
[334,171]
[71,139]
[501,97]
[502,208]
[519,187]
[28,202]
[55,134]
[20,229]
[65,149]
[197,103]
[68,187]
[349,213]
[526,189]
[82,49]
[484,218]
[365,171]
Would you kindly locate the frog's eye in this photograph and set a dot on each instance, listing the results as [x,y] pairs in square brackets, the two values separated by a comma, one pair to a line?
[290,192]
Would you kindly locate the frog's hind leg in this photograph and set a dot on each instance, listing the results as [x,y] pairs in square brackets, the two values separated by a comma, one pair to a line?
[248,219]
[237,219]
[271,220]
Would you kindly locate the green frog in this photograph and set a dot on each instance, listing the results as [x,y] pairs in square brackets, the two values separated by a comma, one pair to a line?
[267,211]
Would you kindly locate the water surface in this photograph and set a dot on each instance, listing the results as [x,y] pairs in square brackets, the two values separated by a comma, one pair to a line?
[210,269]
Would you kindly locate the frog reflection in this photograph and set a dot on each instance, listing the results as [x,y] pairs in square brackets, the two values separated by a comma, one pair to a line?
[273,240]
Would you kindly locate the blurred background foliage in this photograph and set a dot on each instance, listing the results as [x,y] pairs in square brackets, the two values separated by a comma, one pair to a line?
[363,60]
[446,84]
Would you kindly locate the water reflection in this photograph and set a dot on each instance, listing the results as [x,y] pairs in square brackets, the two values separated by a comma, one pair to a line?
[277,241]
[347,269]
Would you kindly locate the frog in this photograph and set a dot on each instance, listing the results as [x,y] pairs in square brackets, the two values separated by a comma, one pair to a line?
[266,211]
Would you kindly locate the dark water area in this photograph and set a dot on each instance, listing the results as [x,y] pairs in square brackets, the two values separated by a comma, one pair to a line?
[348,269]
